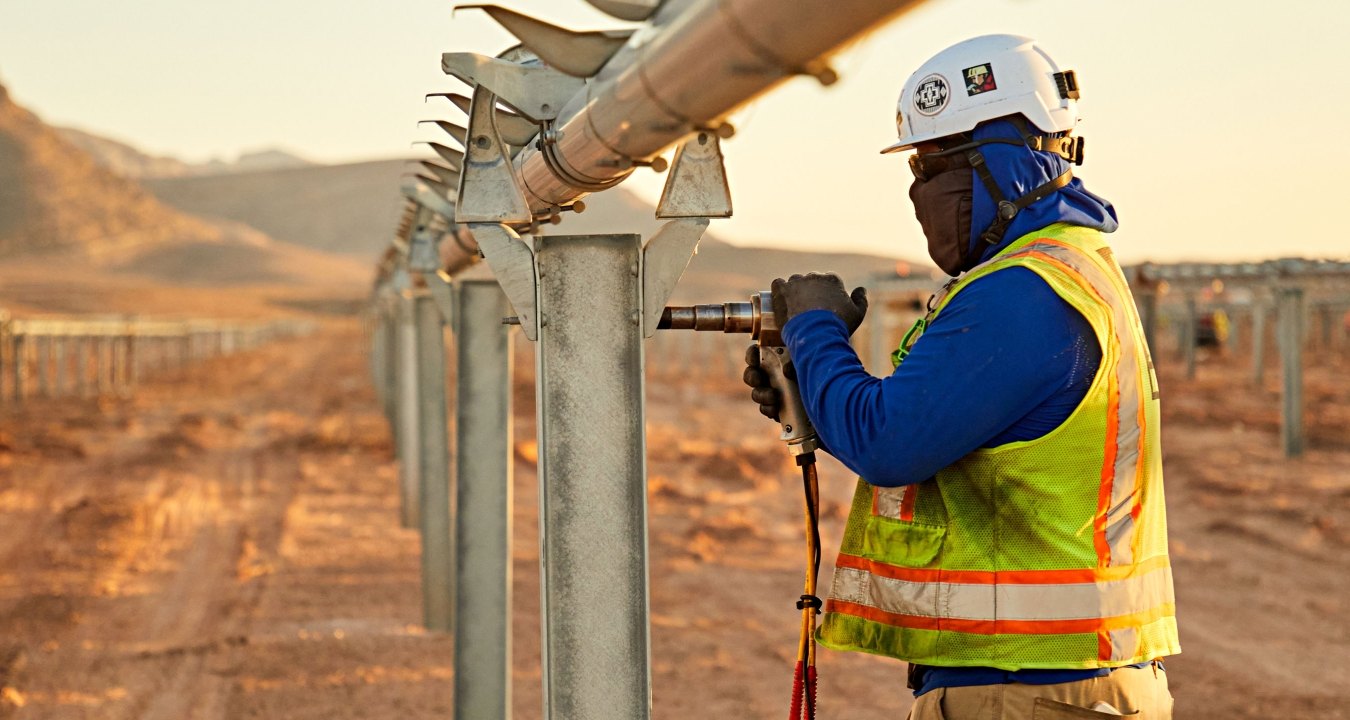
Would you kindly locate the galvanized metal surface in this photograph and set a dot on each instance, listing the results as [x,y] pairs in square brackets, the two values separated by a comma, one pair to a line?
[489,191]
[433,470]
[483,481]
[696,185]
[592,465]
[407,411]
[665,258]
[512,262]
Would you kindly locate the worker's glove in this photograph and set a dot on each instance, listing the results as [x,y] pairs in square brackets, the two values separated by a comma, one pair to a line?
[770,403]
[818,291]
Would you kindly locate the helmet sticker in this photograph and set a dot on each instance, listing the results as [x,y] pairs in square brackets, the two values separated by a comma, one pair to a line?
[930,97]
[979,79]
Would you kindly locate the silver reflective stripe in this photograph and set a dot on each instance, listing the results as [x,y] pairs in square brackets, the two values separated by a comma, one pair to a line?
[1124,643]
[1129,434]
[963,601]
[888,500]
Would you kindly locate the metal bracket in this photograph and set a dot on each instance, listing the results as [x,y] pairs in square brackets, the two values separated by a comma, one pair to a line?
[579,54]
[516,130]
[489,191]
[512,261]
[423,196]
[438,284]
[697,183]
[537,91]
[423,254]
[664,259]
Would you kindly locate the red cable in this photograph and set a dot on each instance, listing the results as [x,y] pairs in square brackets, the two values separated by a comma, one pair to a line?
[795,713]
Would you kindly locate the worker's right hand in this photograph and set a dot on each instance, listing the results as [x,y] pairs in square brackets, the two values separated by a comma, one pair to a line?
[762,392]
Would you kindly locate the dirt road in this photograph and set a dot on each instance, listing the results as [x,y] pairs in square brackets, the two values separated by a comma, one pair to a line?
[226,545]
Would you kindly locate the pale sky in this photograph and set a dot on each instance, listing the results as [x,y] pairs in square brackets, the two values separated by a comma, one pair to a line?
[1216,128]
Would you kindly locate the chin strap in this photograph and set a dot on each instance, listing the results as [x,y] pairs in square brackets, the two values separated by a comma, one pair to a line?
[1008,209]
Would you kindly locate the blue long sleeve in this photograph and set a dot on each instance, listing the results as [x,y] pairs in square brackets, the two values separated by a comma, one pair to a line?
[1006,360]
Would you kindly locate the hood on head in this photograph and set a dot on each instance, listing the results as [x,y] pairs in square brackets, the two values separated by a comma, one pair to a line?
[1019,170]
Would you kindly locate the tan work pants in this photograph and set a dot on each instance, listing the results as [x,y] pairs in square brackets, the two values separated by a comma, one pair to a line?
[1139,693]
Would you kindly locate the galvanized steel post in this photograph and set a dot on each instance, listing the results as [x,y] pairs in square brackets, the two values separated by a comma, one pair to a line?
[433,467]
[592,468]
[1291,359]
[483,482]
[408,435]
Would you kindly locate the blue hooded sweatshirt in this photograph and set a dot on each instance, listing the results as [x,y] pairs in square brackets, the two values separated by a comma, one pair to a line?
[1006,360]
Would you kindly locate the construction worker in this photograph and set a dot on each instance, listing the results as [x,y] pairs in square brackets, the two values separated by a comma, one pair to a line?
[1007,537]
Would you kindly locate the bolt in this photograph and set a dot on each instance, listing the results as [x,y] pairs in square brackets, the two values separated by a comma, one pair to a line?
[633,269]
[482,142]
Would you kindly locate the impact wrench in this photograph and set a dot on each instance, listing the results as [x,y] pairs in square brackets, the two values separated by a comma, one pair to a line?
[756,318]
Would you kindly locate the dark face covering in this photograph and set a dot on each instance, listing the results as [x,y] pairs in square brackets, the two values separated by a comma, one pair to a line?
[942,205]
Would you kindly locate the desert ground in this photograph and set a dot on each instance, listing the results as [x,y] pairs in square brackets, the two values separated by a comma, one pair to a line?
[224,543]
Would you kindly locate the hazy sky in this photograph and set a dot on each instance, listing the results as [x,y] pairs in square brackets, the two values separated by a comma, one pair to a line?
[1217,128]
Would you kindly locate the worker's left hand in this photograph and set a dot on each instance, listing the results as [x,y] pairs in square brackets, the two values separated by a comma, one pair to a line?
[818,291]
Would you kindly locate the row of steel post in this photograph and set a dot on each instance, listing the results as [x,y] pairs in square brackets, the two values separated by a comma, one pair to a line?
[54,358]
[1292,317]
[464,516]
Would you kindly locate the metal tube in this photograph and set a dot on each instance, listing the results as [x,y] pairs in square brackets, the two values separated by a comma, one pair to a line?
[1291,359]
[592,470]
[433,468]
[483,482]
[408,434]
[655,91]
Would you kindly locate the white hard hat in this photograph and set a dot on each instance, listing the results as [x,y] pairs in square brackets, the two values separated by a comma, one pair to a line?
[980,79]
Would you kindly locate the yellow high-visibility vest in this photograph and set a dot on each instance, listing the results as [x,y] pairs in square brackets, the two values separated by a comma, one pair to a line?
[1044,553]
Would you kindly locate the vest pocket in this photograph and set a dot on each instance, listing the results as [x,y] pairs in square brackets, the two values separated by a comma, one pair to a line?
[896,542]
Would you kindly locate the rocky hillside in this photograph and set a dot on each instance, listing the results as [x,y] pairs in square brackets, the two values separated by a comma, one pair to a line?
[55,197]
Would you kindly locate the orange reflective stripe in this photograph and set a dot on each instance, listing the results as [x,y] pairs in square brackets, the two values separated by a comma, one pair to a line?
[1101,626]
[1125,434]
[1067,576]
[907,503]
[1129,406]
